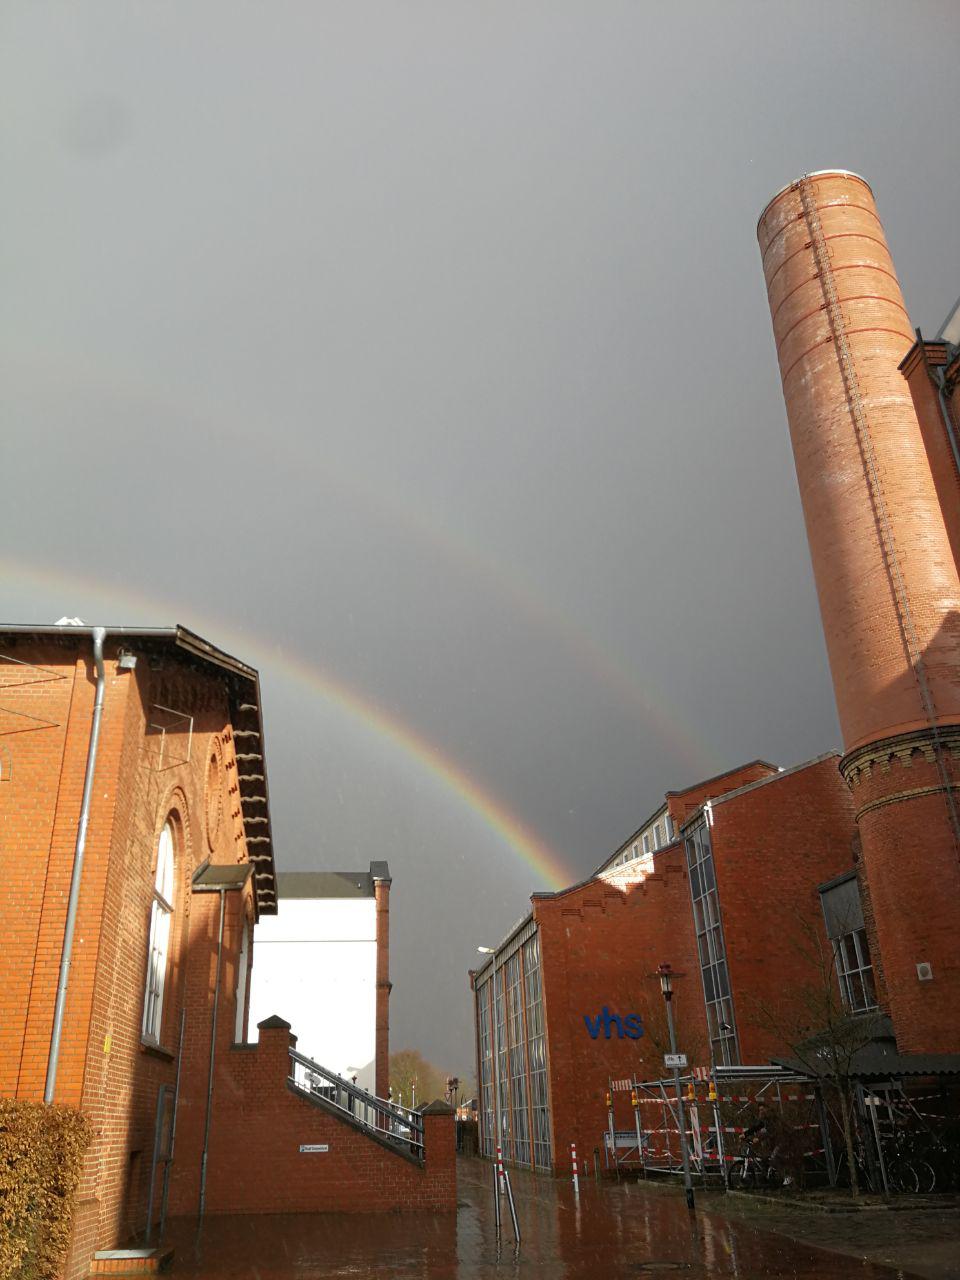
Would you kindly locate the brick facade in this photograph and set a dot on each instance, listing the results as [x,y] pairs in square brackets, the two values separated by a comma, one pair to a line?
[773,843]
[776,835]
[180,743]
[879,484]
[600,948]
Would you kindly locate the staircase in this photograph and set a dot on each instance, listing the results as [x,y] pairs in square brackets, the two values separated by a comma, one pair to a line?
[393,1126]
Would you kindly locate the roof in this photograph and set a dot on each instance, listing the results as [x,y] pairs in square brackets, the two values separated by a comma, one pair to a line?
[243,682]
[705,782]
[214,876]
[715,801]
[631,839]
[817,173]
[328,884]
[881,1060]
[878,1058]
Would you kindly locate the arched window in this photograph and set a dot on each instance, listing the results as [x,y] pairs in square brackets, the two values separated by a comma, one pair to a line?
[161,916]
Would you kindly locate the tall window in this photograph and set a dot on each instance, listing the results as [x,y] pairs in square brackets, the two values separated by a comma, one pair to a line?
[843,918]
[242,966]
[537,1051]
[855,971]
[161,915]
[713,955]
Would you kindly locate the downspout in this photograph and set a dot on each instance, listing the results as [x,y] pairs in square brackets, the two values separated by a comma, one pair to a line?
[939,379]
[99,636]
[213,1053]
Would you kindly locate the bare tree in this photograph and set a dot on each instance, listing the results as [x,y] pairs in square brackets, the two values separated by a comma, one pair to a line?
[818,1030]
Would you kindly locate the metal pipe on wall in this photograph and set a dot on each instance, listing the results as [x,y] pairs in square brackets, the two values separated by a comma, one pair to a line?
[99,635]
[213,1052]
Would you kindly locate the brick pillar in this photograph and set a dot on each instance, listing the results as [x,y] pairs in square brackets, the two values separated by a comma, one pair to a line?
[381,888]
[440,1154]
[273,1051]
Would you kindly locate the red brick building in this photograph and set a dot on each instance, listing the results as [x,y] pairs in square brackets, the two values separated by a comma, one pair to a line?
[871,409]
[167,856]
[721,883]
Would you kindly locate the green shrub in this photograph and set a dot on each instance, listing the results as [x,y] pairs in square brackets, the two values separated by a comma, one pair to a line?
[41,1152]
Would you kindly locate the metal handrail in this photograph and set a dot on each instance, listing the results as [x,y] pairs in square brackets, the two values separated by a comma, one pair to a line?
[377,1115]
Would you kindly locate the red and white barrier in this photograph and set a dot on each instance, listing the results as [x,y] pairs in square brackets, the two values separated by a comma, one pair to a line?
[576,1175]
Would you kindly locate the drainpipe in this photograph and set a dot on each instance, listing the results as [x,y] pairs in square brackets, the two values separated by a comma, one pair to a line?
[213,1053]
[99,635]
[941,382]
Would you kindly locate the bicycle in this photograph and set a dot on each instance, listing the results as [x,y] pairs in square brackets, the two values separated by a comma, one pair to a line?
[750,1169]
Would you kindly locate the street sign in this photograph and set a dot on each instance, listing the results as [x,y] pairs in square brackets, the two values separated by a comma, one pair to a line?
[675,1060]
[314,1146]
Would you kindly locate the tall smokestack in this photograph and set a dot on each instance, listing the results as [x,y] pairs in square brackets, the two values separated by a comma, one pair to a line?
[886,578]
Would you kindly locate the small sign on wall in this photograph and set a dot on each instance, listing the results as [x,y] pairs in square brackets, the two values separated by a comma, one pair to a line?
[314,1146]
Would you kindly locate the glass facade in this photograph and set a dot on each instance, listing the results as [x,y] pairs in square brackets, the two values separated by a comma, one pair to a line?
[721,1023]
[513,1057]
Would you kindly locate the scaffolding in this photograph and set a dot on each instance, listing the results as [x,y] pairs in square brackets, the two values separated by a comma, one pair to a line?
[716,1109]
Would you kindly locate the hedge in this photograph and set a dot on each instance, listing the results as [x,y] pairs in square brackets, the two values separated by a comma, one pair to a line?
[41,1152]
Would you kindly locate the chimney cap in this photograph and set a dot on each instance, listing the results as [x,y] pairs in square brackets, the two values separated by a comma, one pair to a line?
[817,173]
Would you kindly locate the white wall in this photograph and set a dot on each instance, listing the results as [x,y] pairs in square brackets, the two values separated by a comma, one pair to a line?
[315,964]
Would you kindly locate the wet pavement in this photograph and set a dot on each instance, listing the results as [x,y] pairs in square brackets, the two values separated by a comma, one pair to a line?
[630,1230]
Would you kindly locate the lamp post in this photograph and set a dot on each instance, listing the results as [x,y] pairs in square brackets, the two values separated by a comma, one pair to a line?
[666,975]
[489,951]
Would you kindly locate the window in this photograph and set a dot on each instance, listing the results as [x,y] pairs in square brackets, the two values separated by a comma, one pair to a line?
[646,842]
[242,965]
[855,971]
[843,919]
[713,956]
[161,915]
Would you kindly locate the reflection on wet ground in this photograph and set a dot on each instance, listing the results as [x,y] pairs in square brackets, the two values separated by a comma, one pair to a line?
[611,1232]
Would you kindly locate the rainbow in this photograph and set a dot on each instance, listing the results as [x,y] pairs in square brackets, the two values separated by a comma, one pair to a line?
[546,864]
[461,554]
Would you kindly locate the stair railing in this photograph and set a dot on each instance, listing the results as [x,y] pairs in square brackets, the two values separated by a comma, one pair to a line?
[376,1115]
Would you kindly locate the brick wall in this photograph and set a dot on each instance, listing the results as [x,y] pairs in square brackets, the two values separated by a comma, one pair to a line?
[772,846]
[103,1067]
[601,946]
[681,804]
[910,854]
[256,1112]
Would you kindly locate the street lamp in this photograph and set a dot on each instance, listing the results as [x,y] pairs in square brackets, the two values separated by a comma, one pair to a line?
[666,975]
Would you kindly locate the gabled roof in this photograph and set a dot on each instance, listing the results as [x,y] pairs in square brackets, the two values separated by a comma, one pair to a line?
[243,683]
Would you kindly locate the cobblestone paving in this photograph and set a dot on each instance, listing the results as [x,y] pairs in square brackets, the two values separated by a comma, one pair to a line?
[614,1232]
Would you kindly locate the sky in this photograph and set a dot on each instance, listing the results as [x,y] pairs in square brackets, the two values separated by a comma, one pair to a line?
[419,354]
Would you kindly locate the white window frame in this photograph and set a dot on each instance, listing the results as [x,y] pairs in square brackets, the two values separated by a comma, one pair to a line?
[161,920]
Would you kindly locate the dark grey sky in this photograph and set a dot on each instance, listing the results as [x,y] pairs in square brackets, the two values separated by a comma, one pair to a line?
[426,346]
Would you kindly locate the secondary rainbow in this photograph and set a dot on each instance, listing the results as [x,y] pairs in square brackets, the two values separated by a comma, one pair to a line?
[545,862]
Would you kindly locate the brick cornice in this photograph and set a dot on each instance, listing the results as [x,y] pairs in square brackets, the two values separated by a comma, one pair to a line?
[900,751]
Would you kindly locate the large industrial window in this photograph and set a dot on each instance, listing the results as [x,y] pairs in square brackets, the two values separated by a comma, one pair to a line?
[485,1043]
[843,918]
[502,1076]
[513,1057]
[161,916]
[519,1105]
[712,951]
[537,1054]
[855,971]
